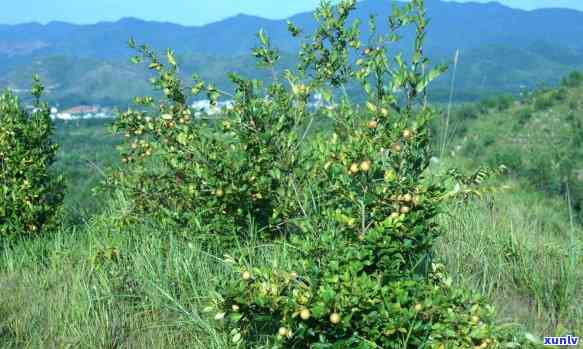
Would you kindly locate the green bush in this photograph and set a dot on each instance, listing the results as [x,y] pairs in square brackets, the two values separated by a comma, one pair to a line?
[504,102]
[31,195]
[216,174]
[356,203]
[363,276]
[543,102]
[574,79]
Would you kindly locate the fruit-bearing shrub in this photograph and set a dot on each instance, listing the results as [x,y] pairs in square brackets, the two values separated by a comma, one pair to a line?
[216,174]
[31,195]
[365,277]
[356,204]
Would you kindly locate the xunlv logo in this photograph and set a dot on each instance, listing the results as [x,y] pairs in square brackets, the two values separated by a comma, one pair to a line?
[566,340]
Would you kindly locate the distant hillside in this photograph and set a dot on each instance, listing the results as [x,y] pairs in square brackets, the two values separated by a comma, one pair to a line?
[503,50]
[453,26]
[539,137]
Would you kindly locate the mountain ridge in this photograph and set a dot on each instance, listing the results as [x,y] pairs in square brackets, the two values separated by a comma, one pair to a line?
[502,49]
[454,26]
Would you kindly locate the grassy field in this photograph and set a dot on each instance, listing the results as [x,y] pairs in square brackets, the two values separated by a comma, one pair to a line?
[98,286]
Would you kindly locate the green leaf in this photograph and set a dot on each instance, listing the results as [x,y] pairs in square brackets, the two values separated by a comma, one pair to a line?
[171,58]
[182,138]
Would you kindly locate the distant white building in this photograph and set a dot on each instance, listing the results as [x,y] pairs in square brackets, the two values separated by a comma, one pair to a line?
[204,106]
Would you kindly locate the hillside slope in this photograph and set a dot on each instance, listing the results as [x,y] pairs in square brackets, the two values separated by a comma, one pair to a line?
[539,138]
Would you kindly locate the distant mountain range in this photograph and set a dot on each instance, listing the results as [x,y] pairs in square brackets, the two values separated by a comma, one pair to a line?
[502,49]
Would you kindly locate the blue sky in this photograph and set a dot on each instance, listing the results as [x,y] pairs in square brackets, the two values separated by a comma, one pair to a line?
[188,12]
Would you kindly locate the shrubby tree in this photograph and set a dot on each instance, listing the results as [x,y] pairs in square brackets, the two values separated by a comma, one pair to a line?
[31,194]
[357,204]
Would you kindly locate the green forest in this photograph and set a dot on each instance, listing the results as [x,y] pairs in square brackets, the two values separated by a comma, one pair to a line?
[381,220]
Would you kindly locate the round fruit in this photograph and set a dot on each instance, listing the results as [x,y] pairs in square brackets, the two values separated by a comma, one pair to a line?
[246,275]
[335,318]
[407,134]
[365,165]
[373,124]
[384,112]
[407,198]
[235,308]
[283,331]
[396,147]
[305,314]
[405,209]
[418,307]
[354,168]
[416,200]
[219,193]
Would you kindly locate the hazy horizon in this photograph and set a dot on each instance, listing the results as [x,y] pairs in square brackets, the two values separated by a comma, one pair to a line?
[81,12]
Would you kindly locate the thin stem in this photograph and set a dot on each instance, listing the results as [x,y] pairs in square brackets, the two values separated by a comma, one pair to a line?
[446,129]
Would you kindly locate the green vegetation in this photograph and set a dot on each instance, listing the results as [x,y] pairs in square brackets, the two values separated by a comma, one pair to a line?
[536,137]
[30,194]
[261,229]
[86,152]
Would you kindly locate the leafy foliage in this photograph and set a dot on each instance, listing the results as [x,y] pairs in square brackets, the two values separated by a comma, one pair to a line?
[30,195]
[210,173]
[358,205]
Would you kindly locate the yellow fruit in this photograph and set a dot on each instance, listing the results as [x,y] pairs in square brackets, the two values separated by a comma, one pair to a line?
[335,318]
[219,193]
[246,275]
[305,314]
[390,175]
[407,134]
[396,147]
[418,307]
[283,331]
[405,209]
[235,308]
[407,198]
[372,124]
[365,165]
[354,168]
[416,200]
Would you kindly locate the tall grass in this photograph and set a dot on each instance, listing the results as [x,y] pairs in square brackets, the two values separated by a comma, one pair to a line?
[101,286]
[519,251]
